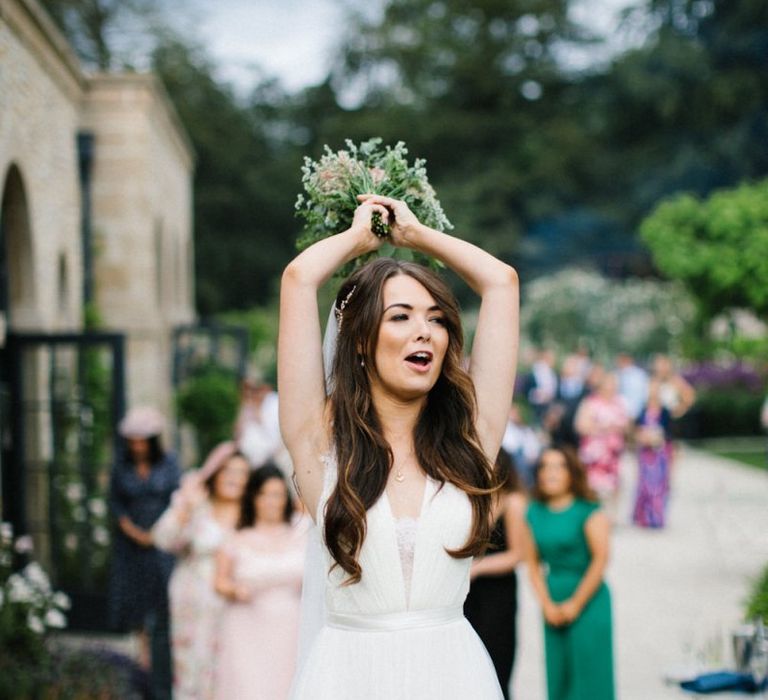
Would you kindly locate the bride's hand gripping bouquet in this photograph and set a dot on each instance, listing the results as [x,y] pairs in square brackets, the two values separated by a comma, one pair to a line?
[333,189]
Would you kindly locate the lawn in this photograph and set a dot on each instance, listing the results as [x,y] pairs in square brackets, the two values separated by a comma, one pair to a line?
[752,458]
[752,451]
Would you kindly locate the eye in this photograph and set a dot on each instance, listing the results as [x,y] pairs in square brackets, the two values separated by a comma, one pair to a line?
[440,320]
[399,317]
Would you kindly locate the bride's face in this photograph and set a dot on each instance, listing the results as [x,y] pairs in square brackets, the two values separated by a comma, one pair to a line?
[412,340]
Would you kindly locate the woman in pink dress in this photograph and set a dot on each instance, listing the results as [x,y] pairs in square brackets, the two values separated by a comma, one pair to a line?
[259,571]
[202,514]
[602,422]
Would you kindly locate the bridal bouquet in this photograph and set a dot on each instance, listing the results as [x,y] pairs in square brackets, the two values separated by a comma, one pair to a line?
[331,186]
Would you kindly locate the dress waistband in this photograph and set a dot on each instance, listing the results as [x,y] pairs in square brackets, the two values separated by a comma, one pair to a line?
[389,622]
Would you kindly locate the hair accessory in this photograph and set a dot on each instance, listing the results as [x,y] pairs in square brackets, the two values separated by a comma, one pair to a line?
[340,311]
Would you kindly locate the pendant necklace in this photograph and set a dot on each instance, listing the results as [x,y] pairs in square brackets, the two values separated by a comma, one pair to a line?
[399,476]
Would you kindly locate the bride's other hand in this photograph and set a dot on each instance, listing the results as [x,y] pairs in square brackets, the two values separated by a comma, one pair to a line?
[361,224]
[403,222]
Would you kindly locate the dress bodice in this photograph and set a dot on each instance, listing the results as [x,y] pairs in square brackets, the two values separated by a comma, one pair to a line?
[268,560]
[560,537]
[437,579]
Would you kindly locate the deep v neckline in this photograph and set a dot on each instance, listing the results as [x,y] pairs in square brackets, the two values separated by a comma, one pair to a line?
[407,589]
[421,508]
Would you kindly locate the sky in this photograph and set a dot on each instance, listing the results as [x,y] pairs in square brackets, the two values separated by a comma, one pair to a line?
[296,40]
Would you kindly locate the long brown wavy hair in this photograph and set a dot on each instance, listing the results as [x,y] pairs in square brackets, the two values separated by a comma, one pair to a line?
[445,439]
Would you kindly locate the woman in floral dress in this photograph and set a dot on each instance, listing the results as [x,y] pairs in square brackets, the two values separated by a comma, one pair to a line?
[654,459]
[602,422]
[204,511]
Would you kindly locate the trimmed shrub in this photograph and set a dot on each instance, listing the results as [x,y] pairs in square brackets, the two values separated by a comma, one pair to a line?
[208,402]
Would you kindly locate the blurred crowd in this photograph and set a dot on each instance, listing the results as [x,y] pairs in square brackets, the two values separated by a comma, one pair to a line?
[208,565]
[600,411]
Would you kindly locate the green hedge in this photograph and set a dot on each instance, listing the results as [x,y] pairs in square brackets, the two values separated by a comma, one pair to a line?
[721,412]
[208,402]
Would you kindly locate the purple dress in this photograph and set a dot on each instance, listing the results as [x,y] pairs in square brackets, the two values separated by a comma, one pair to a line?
[653,462]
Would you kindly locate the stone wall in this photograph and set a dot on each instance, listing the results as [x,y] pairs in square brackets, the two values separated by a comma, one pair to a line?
[142,203]
[40,96]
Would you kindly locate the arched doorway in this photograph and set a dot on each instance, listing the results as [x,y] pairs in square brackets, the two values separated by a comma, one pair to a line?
[17,300]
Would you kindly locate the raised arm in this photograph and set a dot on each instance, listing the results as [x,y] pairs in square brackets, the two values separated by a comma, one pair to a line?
[494,350]
[300,376]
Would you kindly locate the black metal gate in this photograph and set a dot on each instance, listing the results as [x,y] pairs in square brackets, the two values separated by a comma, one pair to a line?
[197,347]
[66,393]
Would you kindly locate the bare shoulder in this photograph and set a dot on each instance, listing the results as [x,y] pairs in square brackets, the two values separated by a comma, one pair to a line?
[598,523]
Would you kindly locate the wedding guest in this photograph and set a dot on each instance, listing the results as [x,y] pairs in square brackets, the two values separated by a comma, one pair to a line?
[491,605]
[583,360]
[676,394]
[571,390]
[654,452]
[541,384]
[522,443]
[203,512]
[257,429]
[569,535]
[259,571]
[633,384]
[602,422]
[594,377]
[141,485]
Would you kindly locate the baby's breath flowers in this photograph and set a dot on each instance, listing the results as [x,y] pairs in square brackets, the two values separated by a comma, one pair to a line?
[331,186]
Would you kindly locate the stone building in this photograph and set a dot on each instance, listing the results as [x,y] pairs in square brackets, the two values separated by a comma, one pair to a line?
[95,221]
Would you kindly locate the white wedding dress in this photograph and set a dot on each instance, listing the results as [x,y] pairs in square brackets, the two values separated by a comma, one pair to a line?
[390,638]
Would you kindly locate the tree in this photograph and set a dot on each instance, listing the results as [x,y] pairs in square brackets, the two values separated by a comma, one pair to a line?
[107,34]
[575,307]
[718,247]
[245,182]
[478,90]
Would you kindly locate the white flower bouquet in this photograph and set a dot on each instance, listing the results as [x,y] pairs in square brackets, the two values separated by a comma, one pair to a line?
[331,186]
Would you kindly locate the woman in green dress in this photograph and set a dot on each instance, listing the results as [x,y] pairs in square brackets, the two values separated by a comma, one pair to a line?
[569,536]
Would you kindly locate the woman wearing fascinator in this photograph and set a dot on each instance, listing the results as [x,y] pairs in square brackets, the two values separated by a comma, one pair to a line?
[141,483]
[202,514]
[393,454]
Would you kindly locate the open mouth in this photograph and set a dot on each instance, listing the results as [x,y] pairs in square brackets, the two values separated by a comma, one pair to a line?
[420,361]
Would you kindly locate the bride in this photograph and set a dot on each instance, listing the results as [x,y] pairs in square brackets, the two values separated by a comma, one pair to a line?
[394,457]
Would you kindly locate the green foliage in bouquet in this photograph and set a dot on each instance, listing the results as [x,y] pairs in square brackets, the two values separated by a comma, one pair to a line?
[331,186]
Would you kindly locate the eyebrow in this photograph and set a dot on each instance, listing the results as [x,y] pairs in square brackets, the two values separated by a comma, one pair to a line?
[410,307]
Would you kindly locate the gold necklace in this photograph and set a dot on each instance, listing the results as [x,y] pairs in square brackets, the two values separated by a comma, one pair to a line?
[399,476]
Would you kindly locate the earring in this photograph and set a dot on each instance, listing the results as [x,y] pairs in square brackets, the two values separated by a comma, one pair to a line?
[362,363]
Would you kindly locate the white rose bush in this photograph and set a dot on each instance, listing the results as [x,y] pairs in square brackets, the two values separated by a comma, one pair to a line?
[29,606]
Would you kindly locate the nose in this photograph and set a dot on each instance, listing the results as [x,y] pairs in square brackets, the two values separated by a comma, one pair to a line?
[424,331]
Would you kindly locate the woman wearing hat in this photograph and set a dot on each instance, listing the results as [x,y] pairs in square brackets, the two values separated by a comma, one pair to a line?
[142,481]
[203,513]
